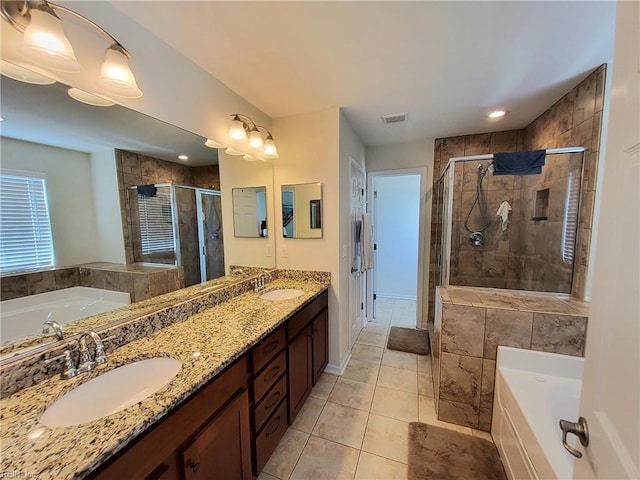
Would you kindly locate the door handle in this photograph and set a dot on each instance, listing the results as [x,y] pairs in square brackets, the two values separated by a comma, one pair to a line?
[354,270]
[580,429]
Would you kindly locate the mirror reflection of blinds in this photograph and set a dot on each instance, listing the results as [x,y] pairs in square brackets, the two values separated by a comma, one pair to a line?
[26,241]
[570,224]
[156,223]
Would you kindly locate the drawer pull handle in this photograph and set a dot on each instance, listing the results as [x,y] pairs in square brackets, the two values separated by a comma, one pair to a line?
[272,373]
[272,403]
[194,466]
[270,347]
[275,421]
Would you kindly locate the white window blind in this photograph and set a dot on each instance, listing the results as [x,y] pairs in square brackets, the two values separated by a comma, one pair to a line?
[25,228]
[156,223]
[570,225]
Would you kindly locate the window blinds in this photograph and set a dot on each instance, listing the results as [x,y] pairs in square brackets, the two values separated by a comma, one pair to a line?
[25,227]
[570,225]
[156,223]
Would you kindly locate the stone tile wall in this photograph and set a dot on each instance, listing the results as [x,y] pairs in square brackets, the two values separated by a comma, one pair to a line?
[469,326]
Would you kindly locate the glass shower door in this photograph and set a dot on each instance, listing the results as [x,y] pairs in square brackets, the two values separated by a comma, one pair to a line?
[211,237]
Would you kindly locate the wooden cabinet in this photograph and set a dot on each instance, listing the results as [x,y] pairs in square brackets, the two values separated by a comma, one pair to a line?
[320,344]
[300,371]
[223,448]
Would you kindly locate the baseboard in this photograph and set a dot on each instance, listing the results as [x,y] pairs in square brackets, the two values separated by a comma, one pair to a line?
[396,296]
[338,370]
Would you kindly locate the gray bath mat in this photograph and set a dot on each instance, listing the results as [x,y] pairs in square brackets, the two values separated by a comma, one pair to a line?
[409,340]
[442,454]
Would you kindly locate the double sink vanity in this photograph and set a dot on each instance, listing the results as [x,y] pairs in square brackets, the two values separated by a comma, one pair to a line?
[207,394]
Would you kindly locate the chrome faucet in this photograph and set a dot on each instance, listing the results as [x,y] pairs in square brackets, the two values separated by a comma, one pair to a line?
[259,283]
[85,363]
[52,325]
[238,271]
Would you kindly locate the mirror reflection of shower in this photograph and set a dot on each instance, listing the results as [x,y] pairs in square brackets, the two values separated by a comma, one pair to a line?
[179,225]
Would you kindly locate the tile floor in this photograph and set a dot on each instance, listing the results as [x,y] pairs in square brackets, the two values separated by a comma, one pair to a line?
[355,427]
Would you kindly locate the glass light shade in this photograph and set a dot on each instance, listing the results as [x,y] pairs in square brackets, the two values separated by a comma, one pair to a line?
[236,130]
[116,78]
[233,151]
[89,98]
[45,43]
[270,147]
[255,139]
[213,144]
[22,74]
[251,158]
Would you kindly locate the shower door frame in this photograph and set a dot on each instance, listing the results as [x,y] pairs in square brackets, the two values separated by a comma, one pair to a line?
[201,234]
[447,204]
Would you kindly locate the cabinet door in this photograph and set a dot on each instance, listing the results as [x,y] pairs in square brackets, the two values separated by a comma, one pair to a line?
[223,449]
[320,345]
[300,371]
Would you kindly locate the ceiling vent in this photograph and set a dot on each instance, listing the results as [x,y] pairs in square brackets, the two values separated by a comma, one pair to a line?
[394,118]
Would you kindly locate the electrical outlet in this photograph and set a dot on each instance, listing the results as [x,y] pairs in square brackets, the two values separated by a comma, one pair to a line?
[268,251]
[284,251]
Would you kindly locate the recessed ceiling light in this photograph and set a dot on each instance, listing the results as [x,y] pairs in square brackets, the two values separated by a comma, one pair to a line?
[183,157]
[497,114]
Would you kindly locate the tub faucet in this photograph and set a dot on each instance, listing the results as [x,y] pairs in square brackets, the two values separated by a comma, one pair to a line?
[85,363]
[52,325]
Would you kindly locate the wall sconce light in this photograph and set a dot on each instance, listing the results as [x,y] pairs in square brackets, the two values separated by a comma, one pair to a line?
[45,46]
[244,131]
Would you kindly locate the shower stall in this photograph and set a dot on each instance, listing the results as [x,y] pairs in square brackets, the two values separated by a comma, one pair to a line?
[508,231]
[178,225]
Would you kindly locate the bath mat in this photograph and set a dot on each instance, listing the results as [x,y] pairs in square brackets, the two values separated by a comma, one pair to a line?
[409,340]
[442,454]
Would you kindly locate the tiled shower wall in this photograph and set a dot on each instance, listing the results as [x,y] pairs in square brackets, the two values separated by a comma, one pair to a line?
[135,169]
[574,120]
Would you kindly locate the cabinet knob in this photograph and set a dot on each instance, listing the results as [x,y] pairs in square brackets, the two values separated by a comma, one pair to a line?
[195,466]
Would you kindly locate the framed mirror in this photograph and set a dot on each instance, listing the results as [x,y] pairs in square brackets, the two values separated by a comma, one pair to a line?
[250,212]
[302,210]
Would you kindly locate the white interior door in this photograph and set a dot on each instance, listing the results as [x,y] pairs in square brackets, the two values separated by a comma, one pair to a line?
[245,213]
[357,280]
[611,384]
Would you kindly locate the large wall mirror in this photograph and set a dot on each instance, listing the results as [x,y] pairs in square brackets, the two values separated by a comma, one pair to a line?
[302,210]
[250,212]
[93,158]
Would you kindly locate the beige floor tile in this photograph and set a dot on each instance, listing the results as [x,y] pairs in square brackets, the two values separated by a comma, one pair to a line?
[395,404]
[427,410]
[366,372]
[371,338]
[394,358]
[482,434]
[425,385]
[453,426]
[266,476]
[324,386]
[342,424]
[424,364]
[398,378]
[387,438]
[286,455]
[308,415]
[352,393]
[376,328]
[381,319]
[373,467]
[366,353]
[325,460]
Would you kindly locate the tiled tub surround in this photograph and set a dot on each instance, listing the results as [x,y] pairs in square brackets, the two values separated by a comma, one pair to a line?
[471,322]
[219,335]
[140,280]
[140,319]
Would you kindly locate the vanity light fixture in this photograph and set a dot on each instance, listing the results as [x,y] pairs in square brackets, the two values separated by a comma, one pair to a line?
[213,144]
[23,74]
[245,132]
[89,98]
[46,46]
[233,151]
[497,114]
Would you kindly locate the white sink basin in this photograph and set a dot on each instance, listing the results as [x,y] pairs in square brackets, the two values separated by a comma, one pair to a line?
[282,294]
[111,392]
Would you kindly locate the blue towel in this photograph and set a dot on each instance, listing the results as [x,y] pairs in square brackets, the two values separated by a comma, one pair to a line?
[147,190]
[519,163]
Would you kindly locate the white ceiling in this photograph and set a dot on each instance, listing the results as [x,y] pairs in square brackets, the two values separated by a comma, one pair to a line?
[445,63]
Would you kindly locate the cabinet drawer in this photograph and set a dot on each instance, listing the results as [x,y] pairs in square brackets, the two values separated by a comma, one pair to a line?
[270,402]
[268,348]
[304,316]
[267,440]
[269,376]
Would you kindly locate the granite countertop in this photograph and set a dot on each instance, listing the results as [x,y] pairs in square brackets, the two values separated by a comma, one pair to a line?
[205,343]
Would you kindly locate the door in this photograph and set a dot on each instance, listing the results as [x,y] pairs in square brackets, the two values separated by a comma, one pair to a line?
[320,344]
[300,371]
[357,281]
[210,235]
[245,212]
[611,384]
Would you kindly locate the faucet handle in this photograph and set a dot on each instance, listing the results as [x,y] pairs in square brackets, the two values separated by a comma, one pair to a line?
[70,370]
[100,356]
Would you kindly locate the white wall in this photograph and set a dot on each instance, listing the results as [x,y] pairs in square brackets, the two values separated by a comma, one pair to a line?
[397,217]
[106,201]
[70,194]
[236,173]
